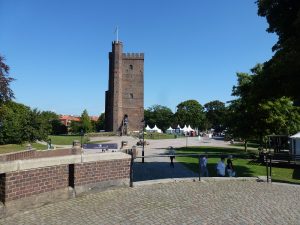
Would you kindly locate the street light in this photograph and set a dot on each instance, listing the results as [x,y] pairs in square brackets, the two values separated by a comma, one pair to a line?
[143,149]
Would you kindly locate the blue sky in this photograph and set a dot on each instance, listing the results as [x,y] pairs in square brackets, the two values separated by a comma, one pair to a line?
[58,49]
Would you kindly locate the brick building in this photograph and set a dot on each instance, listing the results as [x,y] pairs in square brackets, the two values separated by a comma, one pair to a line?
[67,119]
[124,99]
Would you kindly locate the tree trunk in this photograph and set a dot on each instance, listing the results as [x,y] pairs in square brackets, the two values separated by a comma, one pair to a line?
[245,145]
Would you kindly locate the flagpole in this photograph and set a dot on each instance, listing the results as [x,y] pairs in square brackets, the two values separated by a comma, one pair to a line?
[117,34]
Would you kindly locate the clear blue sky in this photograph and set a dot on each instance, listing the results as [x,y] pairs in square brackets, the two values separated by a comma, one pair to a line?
[58,49]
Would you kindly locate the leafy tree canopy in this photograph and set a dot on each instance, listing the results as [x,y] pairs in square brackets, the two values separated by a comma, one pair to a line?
[162,116]
[6,93]
[190,112]
[280,75]
[85,120]
[215,114]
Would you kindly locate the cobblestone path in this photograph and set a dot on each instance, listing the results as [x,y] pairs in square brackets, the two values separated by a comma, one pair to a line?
[206,202]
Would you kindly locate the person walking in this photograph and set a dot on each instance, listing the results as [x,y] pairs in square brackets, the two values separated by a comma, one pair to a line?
[172,156]
[203,166]
[221,167]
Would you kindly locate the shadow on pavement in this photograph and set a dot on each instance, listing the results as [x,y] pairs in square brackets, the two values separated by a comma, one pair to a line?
[159,170]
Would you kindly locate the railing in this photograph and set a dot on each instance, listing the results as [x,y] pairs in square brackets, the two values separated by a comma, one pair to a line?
[267,159]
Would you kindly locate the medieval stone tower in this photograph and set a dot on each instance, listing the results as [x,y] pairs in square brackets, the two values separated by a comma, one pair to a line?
[124,99]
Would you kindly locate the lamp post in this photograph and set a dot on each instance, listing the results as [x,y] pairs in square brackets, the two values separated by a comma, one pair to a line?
[143,149]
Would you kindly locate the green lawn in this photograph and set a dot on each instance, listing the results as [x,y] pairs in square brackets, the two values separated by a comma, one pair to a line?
[15,148]
[66,139]
[160,136]
[55,139]
[244,167]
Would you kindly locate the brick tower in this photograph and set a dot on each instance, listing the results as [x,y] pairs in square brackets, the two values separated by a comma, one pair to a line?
[124,99]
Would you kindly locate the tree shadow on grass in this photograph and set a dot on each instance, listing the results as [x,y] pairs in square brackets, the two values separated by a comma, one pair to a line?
[296,172]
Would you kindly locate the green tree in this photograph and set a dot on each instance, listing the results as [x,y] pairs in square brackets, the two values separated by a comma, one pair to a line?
[21,124]
[85,121]
[75,127]
[160,115]
[279,117]
[14,118]
[37,129]
[100,124]
[215,115]
[6,93]
[241,119]
[52,123]
[190,112]
[280,75]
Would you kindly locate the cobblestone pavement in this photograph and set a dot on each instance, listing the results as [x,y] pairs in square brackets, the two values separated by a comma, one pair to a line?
[205,202]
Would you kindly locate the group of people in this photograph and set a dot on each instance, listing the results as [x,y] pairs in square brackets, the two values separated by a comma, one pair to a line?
[221,168]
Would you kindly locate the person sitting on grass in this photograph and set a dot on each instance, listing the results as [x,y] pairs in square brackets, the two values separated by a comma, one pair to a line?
[221,167]
[229,167]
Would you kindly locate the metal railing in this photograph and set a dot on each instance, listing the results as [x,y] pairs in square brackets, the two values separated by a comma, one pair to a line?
[267,160]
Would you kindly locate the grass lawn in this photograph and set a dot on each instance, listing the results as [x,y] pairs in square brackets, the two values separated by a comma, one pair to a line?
[244,167]
[15,147]
[160,136]
[66,139]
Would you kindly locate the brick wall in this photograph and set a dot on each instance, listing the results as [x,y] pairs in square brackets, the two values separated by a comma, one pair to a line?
[35,181]
[28,154]
[93,172]
[31,154]
[29,183]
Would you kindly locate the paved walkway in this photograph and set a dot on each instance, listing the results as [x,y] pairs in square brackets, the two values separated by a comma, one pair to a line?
[159,167]
[218,202]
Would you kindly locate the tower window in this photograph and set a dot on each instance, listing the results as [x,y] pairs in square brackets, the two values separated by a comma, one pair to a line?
[131,67]
[131,95]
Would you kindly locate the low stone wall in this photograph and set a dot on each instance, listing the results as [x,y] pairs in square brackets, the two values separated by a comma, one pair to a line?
[31,154]
[27,154]
[28,183]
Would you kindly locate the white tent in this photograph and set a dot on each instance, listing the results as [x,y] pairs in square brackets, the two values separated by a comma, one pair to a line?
[170,130]
[185,129]
[295,143]
[148,128]
[156,129]
[190,129]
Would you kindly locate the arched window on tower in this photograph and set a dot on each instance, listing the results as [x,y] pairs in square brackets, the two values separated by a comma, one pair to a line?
[131,67]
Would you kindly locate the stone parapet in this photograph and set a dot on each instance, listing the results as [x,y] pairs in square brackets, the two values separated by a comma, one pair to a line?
[19,165]
[28,183]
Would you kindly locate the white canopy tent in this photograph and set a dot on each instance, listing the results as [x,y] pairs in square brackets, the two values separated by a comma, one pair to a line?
[295,143]
[170,130]
[185,129]
[148,128]
[156,129]
[190,129]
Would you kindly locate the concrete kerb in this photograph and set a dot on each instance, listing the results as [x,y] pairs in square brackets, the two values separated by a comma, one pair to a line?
[194,179]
